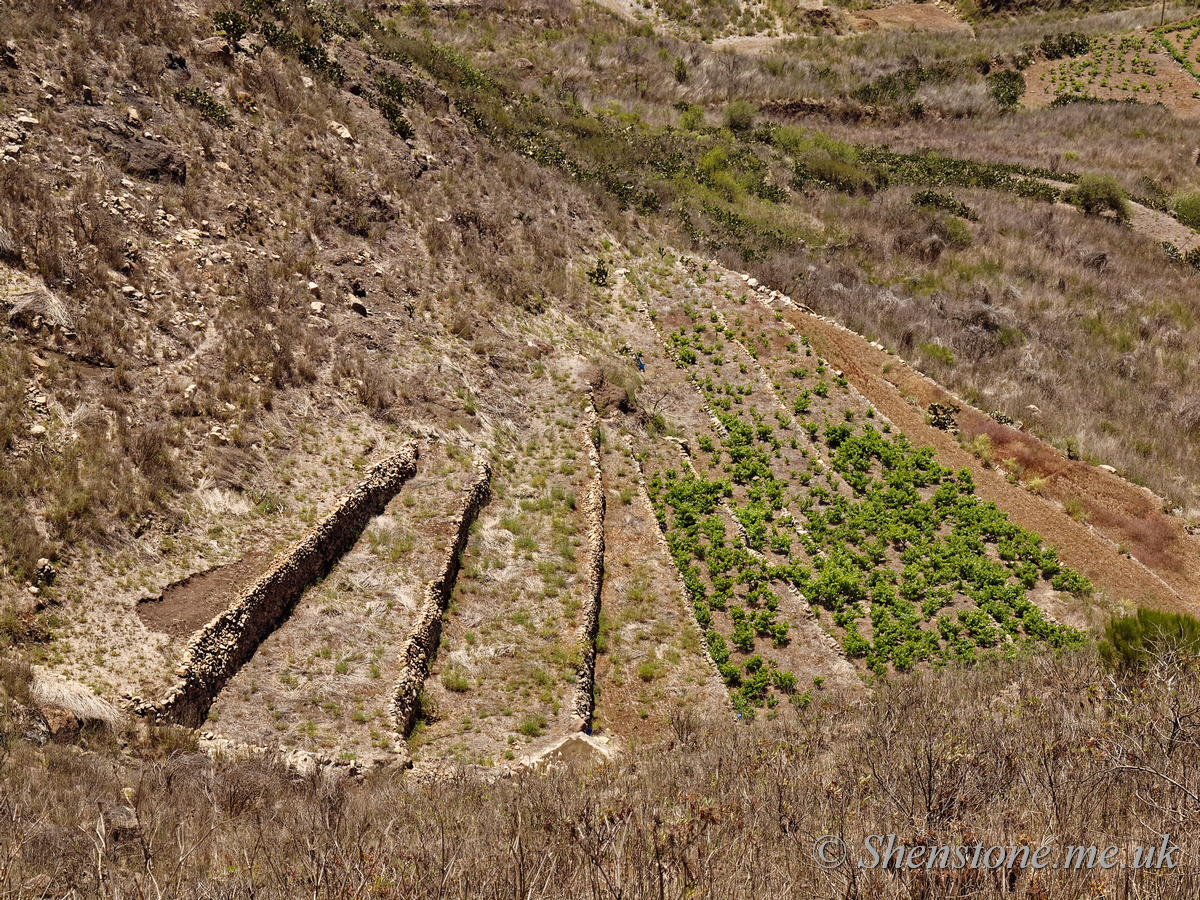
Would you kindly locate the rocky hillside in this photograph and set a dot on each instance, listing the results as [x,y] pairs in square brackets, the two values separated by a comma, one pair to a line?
[411,388]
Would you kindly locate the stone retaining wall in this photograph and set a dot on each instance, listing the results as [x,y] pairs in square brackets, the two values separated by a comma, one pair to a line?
[584,703]
[224,645]
[422,644]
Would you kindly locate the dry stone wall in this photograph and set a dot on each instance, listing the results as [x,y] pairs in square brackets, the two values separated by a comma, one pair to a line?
[422,644]
[225,644]
[584,703]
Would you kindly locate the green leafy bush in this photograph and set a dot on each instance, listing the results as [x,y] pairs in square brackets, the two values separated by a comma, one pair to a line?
[945,202]
[955,232]
[739,116]
[208,105]
[1187,210]
[1007,88]
[1095,194]
[1071,44]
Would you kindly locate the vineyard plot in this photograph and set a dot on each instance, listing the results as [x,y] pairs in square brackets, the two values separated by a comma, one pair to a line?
[905,564]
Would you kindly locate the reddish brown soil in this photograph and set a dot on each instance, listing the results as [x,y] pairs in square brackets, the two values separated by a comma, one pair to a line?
[188,604]
[912,17]
[1178,85]
[1165,563]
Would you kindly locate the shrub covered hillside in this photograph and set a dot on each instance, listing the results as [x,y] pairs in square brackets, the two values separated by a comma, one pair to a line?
[792,408]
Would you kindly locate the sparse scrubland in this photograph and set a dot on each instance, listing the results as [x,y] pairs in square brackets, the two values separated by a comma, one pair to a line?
[594,261]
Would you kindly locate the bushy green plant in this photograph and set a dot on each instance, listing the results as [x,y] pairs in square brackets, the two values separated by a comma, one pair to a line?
[1071,44]
[1187,210]
[739,116]
[1133,642]
[1095,194]
[208,105]
[945,202]
[1007,88]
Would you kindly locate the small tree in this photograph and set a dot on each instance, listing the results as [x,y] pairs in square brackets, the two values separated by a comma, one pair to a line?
[1097,193]
[1134,642]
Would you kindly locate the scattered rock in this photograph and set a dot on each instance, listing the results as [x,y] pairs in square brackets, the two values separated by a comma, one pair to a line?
[132,117]
[37,430]
[8,55]
[341,131]
[317,307]
[523,65]
[359,307]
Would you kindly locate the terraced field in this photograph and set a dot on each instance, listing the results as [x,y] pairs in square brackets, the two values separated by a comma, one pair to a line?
[779,486]
[321,681]
[507,663]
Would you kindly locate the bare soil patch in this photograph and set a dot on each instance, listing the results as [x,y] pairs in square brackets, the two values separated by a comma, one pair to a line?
[193,601]
[911,17]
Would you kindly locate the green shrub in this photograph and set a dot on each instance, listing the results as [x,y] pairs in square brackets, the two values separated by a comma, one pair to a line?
[1133,642]
[1187,210]
[955,232]
[739,116]
[692,119]
[532,725]
[1007,88]
[207,104]
[945,202]
[938,353]
[455,679]
[1071,44]
[1099,193]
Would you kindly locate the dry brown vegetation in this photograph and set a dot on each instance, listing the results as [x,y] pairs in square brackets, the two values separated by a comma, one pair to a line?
[1046,750]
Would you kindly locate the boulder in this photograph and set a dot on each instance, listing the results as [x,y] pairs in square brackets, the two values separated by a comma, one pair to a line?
[145,157]
[61,723]
[570,750]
